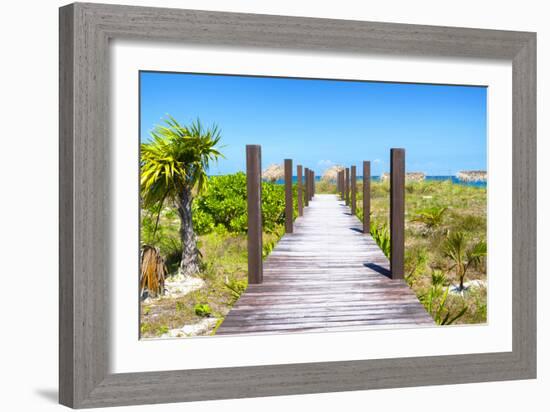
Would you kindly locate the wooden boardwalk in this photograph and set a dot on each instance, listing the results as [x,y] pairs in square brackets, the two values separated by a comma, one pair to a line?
[326,276]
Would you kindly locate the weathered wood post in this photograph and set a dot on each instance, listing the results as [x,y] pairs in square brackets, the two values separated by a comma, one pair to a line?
[353,190]
[312,183]
[299,191]
[342,185]
[308,193]
[397,213]
[366,197]
[347,186]
[309,186]
[306,187]
[338,187]
[289,207]
[254,203]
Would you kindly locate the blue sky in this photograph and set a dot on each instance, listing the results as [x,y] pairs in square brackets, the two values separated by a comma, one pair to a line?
[318,123]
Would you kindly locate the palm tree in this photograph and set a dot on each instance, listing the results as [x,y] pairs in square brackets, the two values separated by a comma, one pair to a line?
[463,255]
[431,217]
[173,168]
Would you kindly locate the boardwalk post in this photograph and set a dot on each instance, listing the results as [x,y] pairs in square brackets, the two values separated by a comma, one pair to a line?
[322,257]
[342,185]
[338,183]
[397,213]
[366,197]
[289,207]
[353,190]
[254,203]
[347,186]
[306,187]
[309,186]
[299,191]
[312,183]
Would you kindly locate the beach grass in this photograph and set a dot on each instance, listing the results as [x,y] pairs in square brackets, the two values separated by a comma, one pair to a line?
[462,208]
[225,275]
[224,254]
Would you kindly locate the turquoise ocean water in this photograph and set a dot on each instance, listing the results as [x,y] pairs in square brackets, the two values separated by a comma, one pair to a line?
[453,179]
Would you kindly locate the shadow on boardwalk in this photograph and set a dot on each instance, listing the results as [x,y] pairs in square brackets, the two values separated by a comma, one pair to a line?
[326,276]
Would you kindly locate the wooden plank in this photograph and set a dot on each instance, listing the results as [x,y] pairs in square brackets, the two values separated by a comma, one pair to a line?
[327,275]
[254,203]
[397,213]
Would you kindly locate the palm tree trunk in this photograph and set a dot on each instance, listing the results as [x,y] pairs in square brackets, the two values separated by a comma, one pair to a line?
[189,265]
[462,276]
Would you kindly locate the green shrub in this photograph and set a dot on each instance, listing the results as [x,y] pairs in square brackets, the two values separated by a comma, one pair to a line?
[381,236]
[202,222]
[203,310]
[145,327]
[236,287]
[225,203]
[273,206]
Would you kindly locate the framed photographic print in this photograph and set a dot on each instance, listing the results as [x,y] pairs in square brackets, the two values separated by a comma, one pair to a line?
[256,205]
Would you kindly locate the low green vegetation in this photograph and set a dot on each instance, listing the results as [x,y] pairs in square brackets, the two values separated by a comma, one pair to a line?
[220,222]
[445,248]
[203,310]
[174,166]
[445,245]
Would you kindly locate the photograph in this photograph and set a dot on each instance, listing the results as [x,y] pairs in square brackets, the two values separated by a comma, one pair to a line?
[344,166]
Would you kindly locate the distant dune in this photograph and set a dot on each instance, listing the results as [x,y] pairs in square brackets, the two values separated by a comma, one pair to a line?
[273,173]
[472,176]
[410,176]
[331,173]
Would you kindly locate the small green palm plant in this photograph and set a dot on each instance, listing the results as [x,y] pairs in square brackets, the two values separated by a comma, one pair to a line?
[236,288]
[432,217]
[434,300]
[463,255]
[381,236]
[415,263]
[174,167]
[203,310]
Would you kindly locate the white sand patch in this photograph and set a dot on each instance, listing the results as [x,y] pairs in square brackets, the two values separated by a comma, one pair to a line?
[177,286]
[194,329]
[472,284]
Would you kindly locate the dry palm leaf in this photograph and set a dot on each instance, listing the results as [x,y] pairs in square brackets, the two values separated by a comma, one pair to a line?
[153,271]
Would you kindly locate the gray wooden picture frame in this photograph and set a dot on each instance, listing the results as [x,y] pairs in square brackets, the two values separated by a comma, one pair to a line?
[85,32]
